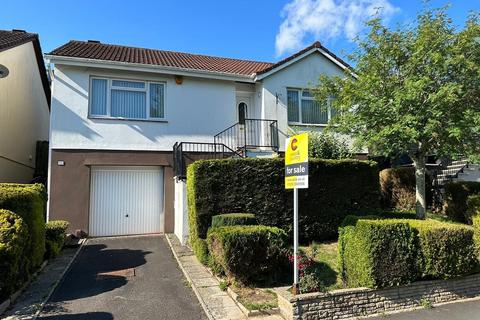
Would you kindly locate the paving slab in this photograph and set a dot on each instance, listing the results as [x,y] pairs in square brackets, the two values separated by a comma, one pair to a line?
[32,298]
[218,304]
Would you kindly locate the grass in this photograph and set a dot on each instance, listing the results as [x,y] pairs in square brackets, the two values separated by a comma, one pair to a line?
[256,298]
[325,256]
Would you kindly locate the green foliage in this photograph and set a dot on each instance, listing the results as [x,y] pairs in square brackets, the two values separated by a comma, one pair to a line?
[476,231]
[233,219]
[397,188]
[405,85]
[447,249]
[473,206]
[324,145]
[200,248]
[456,195]
[29,202]
[54,237]
[248,254]
[378,253]
[337,187]
[13,245]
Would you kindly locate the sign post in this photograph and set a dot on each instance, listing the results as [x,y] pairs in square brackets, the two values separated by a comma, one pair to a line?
[296,177]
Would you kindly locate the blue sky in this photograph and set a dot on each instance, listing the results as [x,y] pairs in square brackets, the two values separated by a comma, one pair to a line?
[264,30]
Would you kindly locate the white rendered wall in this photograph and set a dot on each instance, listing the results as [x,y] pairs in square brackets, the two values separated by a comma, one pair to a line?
[301,74]
[195,111]
[24,114]
[181,211]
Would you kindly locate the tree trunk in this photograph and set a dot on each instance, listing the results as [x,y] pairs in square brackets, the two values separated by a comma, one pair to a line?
[420,171]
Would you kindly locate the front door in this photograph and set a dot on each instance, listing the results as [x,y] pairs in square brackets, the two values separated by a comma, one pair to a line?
[245,112]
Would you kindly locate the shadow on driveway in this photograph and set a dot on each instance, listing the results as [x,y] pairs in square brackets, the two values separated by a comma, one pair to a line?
[146,283]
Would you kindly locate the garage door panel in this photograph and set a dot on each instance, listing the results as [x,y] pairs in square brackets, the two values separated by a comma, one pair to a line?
[126,200]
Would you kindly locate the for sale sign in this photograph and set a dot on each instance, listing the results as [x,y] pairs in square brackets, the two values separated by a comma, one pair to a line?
[296,162]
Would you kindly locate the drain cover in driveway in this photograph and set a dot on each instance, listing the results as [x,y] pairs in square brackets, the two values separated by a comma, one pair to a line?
[130,272]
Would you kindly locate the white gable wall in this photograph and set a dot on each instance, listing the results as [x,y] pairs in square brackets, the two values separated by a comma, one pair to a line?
[301,74]
[24,114]
[195,111]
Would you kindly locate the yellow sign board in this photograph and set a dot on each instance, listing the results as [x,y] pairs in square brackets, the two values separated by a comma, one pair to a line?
[296,162]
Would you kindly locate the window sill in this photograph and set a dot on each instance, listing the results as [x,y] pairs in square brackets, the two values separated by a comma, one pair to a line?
[298,124]
[127,119]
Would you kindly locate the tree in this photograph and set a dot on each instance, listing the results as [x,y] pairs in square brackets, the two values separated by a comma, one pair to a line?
[415,89]
[326,145]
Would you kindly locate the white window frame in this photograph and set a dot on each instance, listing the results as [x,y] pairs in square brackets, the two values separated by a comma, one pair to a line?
[300,98]
[110,86]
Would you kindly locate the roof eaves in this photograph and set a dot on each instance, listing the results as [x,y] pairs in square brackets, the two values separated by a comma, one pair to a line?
[170,70]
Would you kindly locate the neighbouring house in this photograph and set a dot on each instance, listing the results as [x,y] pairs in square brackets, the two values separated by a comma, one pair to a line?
[24,104]
[126,121]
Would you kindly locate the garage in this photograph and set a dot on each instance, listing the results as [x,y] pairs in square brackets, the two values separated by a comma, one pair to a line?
[126,200]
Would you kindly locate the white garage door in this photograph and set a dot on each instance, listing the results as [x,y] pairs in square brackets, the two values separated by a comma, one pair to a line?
[126,200]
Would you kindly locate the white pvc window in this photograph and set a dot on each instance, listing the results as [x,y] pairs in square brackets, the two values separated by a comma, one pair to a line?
[302,108]
[127,99]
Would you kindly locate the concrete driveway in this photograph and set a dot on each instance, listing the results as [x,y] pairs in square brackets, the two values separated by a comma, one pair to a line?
[124,278]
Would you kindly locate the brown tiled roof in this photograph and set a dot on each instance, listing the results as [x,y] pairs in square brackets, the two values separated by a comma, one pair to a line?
[108,52]
[14,38]
[9,39]
[317,45]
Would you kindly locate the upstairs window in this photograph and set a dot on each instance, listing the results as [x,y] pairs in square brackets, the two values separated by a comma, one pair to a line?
[127,99]
[304,109]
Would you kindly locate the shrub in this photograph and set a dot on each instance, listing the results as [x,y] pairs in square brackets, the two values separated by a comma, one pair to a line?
[473,206]
[447,249]
[441,250]
[248,254]
[337,187]
[476,232]
[233,219]
[54,237]
[325,145]
[397,188]
[378,253]
[13,244]
[455,203]
[29,202]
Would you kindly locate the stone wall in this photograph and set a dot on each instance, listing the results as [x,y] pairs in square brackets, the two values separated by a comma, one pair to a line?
[351,303]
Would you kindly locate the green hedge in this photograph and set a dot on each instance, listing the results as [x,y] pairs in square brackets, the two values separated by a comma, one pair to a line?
[397,188]
[337,188]
[476,231]
[13,244]
[447,249]
[248,254]
[473,206]
[368,247]
[455,203]
[29,202]
[233,219]
[54,237]
[378,253]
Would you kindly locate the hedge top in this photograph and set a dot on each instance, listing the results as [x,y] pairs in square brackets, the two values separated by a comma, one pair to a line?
[10,190]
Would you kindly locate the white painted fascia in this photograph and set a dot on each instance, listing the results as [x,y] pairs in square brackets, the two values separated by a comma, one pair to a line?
[116,65]
[300,57]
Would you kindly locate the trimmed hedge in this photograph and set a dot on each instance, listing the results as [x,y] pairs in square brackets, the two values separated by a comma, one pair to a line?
[378,253]
[233,219]
[447,249]
[13,244]
[456,194]
[397,188]
[248,254]
[368,247]
[29,202]
[476,231]
[473,206]
[54,237]
[337,187]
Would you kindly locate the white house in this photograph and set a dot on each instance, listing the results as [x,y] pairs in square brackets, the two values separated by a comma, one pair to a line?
[119,112]
[24,104]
